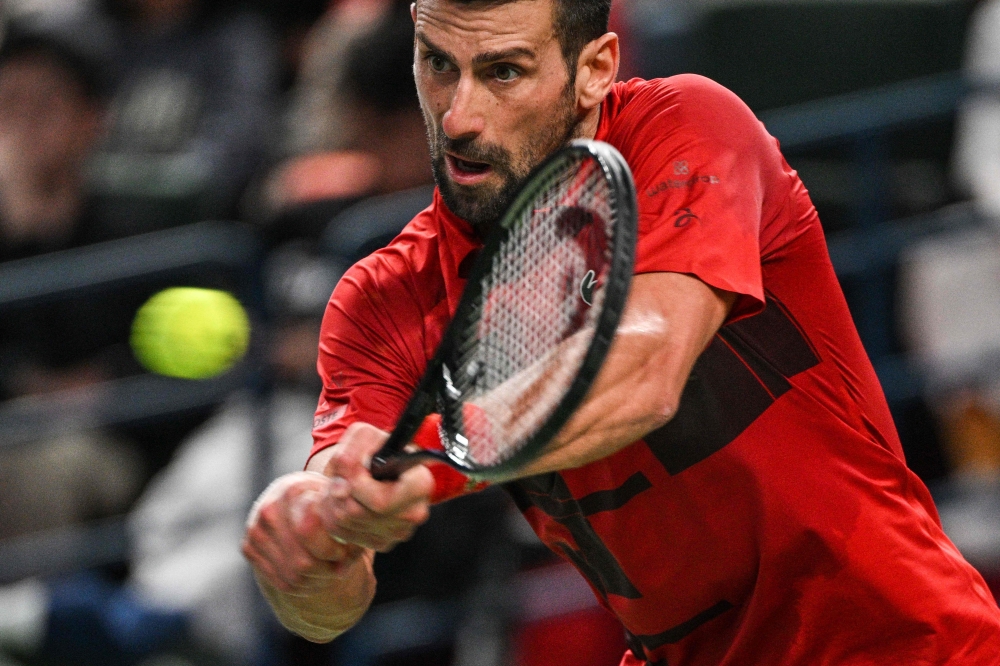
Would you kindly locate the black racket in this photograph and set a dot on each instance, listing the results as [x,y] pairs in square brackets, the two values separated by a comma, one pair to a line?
[535,321]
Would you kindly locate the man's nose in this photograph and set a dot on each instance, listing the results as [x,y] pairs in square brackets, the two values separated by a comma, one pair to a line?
[464,118]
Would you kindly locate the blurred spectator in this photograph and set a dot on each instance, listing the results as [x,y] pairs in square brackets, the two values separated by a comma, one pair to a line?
[950,295]
[385,119]
[977,140]
[51,110]
[50,115]
[315,116]
[950,283]
[374,142]
[193,110]
[950,308]
[50,118]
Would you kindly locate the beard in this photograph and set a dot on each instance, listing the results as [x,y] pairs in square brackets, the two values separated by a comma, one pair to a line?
[483,205]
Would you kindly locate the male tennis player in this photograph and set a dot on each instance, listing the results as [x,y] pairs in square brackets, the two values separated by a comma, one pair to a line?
[733,487]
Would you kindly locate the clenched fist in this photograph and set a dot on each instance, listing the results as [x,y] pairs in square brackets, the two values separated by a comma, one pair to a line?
[311,536]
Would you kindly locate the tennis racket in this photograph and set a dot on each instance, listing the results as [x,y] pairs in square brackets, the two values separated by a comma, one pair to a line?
[534,323]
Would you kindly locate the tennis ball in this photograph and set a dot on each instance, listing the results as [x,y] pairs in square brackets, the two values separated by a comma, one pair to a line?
[190,333]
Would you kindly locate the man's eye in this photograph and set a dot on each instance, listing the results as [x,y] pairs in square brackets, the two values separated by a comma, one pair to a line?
[504,73]
[437,63]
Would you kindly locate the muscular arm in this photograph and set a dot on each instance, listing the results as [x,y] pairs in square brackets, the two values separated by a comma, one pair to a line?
[312,536]
[669,320]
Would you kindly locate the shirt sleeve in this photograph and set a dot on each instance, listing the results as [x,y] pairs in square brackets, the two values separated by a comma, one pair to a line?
[370,351]
[699,158]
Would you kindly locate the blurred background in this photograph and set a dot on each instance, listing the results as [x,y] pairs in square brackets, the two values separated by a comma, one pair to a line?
[262,147]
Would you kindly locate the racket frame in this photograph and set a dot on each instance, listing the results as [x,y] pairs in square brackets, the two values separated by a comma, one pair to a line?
[391,460]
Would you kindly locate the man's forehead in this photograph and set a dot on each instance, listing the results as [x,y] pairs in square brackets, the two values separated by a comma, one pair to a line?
[484,25]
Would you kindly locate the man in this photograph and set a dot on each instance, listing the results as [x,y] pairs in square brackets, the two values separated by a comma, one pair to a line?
[51,110]
[732,487]
[194,90]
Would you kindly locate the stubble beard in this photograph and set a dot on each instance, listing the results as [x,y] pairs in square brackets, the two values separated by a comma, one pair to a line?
[482,205]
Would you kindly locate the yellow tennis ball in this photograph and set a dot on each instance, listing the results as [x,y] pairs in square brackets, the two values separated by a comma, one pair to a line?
[190,333]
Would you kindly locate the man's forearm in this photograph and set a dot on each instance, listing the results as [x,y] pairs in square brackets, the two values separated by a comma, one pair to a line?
[640,384]
[320,615]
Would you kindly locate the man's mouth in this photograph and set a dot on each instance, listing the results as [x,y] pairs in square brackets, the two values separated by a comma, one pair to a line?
[466,172]
[471,167]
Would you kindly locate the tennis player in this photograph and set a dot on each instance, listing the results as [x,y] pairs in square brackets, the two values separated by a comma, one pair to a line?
[733,487]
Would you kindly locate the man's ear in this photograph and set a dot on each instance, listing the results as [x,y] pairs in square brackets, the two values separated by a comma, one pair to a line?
[413,11]
[597,70]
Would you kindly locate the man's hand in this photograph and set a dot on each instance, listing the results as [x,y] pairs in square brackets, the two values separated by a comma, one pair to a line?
[287,538]
[318,587]
[311,536]
[377,515]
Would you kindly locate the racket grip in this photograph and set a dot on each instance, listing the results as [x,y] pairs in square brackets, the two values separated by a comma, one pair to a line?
[448,481]
[391,467]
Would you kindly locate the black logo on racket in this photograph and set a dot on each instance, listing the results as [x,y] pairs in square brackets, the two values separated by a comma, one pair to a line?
[587,287]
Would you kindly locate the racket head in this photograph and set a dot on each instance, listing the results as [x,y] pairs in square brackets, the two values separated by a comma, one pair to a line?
[535,322]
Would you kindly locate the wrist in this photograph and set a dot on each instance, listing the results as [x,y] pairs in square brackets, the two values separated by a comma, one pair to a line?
[323,613]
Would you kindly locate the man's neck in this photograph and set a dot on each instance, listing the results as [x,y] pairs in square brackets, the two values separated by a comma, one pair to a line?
[587,129]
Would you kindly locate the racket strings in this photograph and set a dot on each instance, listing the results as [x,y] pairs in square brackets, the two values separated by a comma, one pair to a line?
[537,314]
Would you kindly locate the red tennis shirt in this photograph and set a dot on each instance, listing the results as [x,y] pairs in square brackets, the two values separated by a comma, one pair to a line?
[773,520]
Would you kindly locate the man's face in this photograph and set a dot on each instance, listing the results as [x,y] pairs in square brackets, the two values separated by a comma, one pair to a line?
[496,96]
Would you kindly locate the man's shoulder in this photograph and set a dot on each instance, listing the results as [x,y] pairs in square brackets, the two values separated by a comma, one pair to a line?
[409,255]
[691,87]
[676,102]
[685,114]
[396,296]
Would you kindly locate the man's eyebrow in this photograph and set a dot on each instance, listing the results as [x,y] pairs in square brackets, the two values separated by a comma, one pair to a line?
[431,46]
[506,54]
[481,58]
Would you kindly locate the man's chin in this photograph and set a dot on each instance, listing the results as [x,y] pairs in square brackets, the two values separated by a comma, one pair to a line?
[477,205]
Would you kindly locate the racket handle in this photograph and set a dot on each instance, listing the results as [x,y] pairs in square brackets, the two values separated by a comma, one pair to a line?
[389,467]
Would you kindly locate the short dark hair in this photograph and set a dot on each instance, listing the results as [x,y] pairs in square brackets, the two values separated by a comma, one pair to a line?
[576,24]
